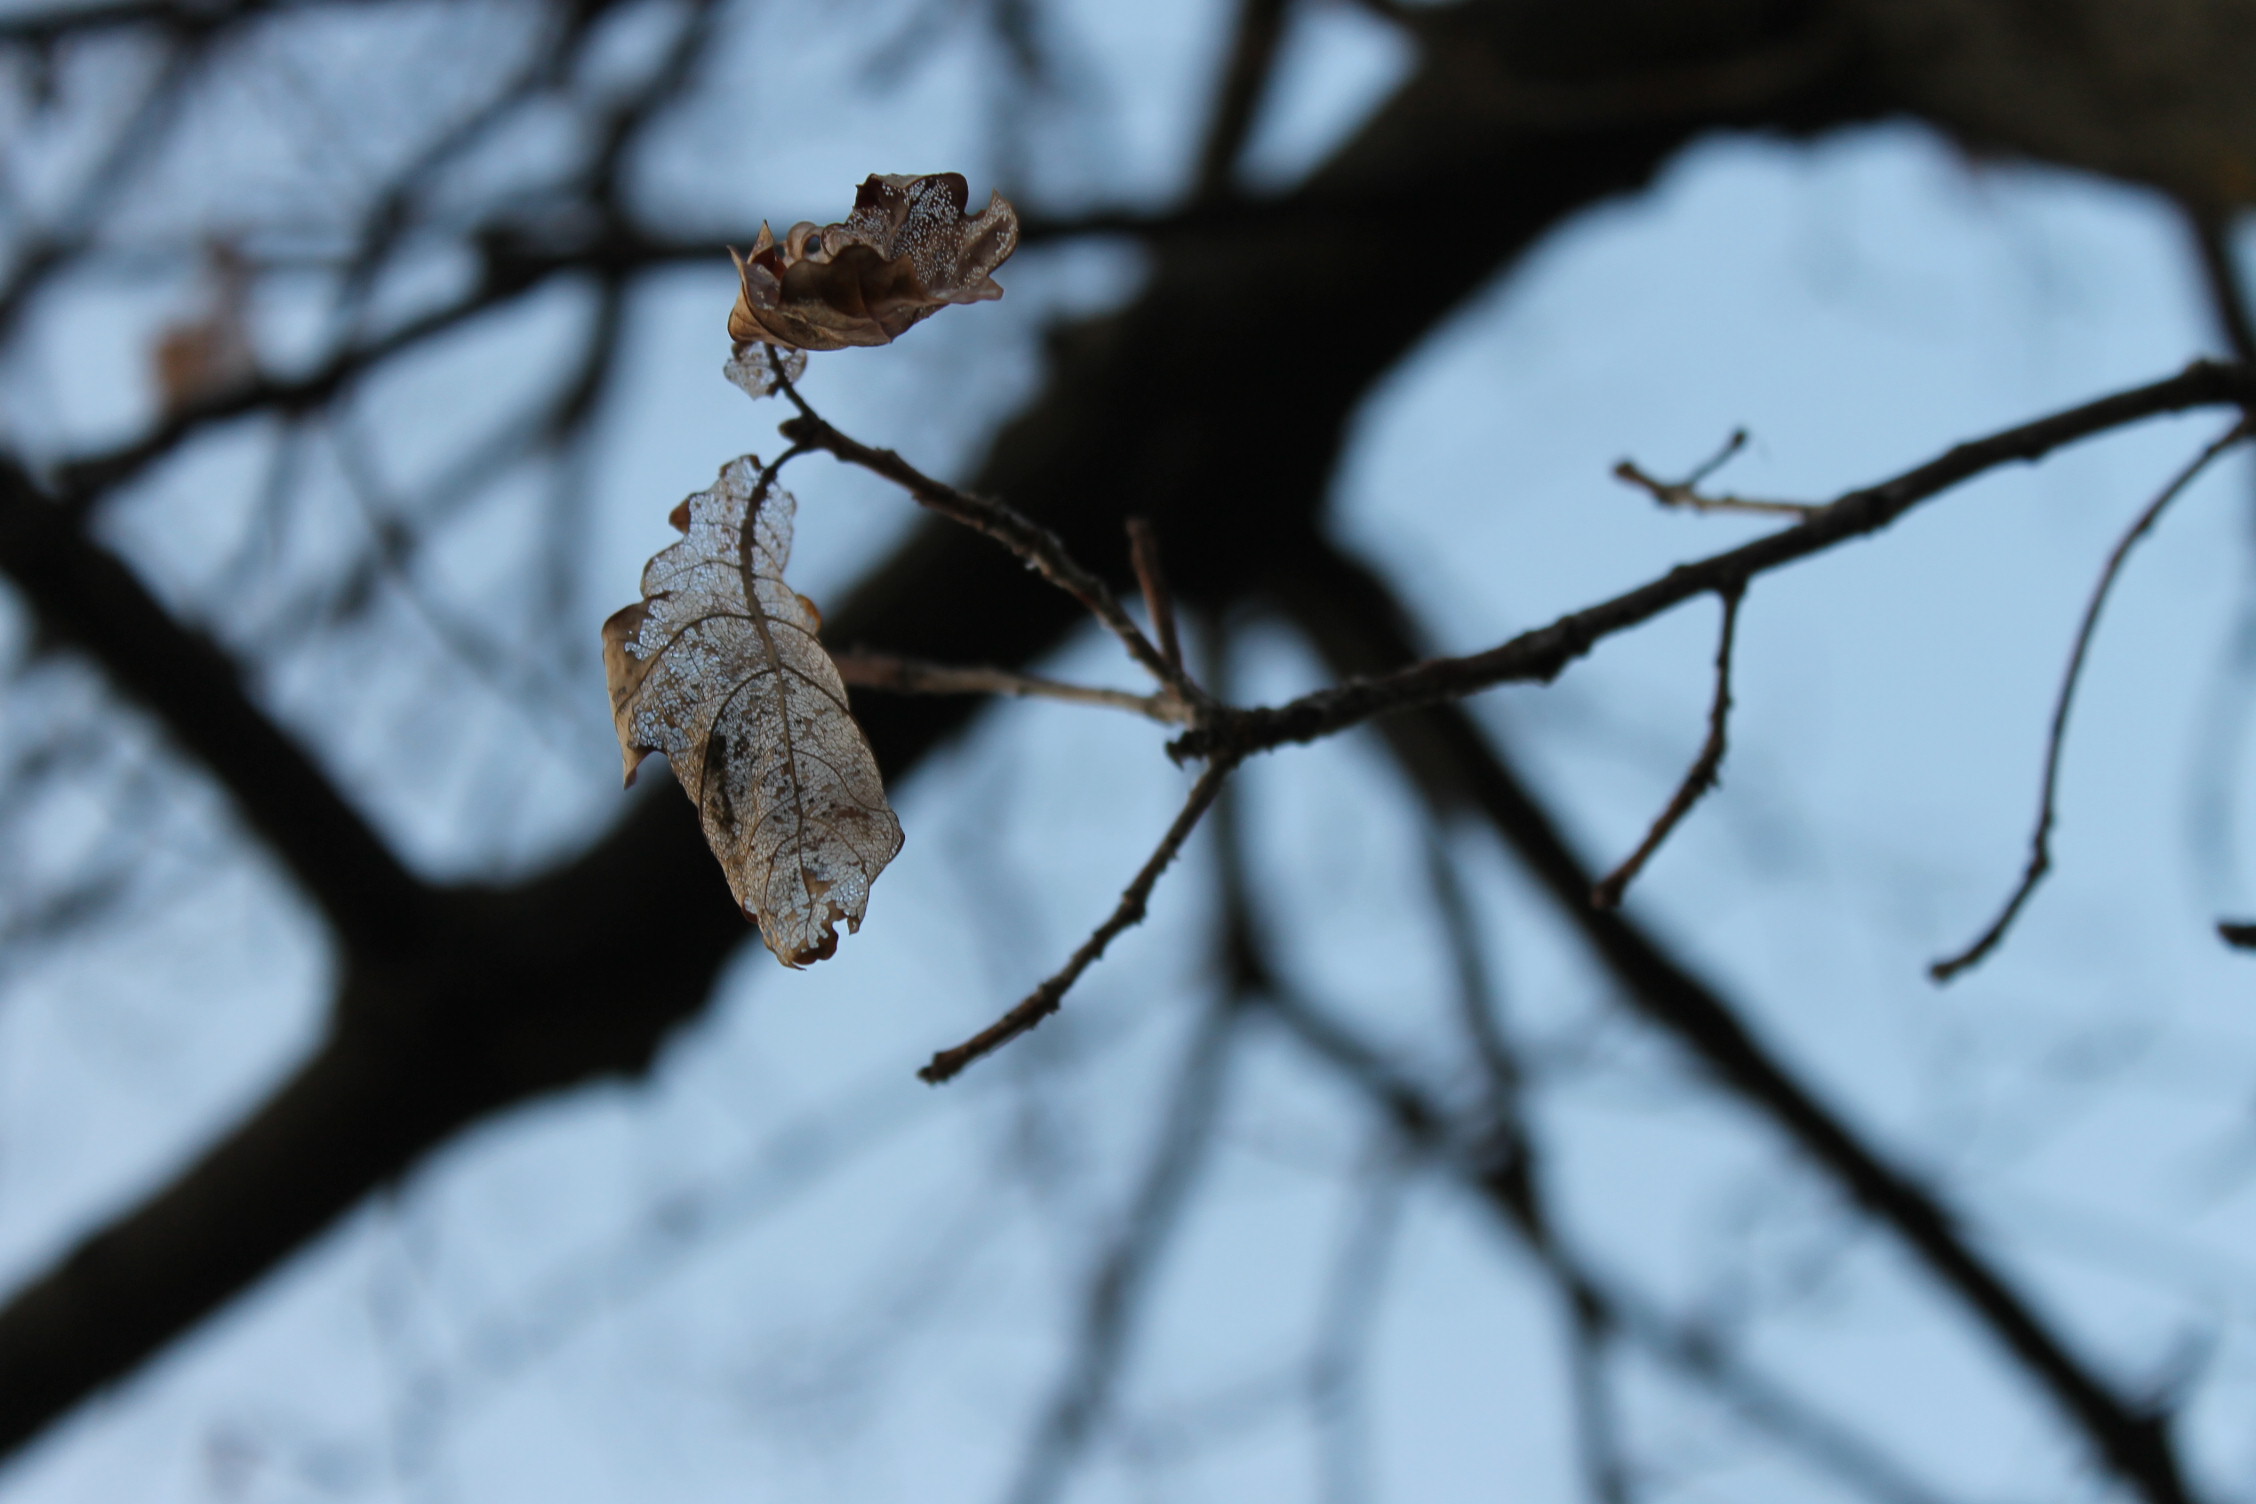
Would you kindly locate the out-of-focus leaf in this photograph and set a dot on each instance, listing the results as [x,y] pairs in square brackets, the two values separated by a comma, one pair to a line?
[753,367]
[210,354]
[906,250]
[719,667]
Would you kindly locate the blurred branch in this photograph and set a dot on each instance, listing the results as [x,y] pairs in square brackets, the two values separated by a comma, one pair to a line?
[181,18]
[551,982]
[2056,737]
[1183,1139]
[80,482]
[87,596]
[1506,1185]
[1353,620]
[1246,70]
[897,675]
[2221,276]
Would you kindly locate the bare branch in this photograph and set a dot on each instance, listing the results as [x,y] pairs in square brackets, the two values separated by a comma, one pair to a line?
[913,676]
[1685,493]
[2040,841]
[88,596]
[1698,780]
[1543,653]
[1354,621]
[1143,552]
[1041,550]
[1045,999]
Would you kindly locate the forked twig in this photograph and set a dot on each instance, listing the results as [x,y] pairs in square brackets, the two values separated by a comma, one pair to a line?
[915,676]
[2040,842]
[1607,892]
[1042,550]
[1044,1000]
[1544,652]
[1686,495]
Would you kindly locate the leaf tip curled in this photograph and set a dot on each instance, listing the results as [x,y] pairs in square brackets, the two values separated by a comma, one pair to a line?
[906,251]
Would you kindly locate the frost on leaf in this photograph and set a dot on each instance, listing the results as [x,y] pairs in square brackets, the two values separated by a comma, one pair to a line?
[752,367]
[907,249]
[719,668]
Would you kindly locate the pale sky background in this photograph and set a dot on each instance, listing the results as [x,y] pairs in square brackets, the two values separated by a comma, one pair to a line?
[782,1269]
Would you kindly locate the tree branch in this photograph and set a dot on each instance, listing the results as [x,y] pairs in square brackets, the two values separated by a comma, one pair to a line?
[1701,777]
[1543,653]
[88,597]
[2056,737]
[1354,622]
[1040,549]
[912,676]
[1129,912]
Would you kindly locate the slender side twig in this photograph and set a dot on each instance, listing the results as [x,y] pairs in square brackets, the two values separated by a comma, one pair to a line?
[1159,602]
[915,676]
[1545,652]
[1685,493]
[1607,894]
[2228,292]
[1042,550]
[2040,841]
[1045,999]
[1355,620]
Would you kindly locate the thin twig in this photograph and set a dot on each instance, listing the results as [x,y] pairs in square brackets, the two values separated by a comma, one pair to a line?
[2040,843]
[1607,894]
[1355,620]
[915,676]
[1159,602]
[1045,999]
[1042,550]
[2228,291]
[1542,654]
[1685,493]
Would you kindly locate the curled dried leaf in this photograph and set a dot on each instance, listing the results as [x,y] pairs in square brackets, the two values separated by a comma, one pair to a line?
[719,668]
[907,249]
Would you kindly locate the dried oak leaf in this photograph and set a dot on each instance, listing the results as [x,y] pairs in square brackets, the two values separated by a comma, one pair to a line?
[719,668]
[907,249]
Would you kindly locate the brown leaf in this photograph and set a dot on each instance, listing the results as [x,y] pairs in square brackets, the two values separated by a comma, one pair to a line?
[907,249]
[719,668]
[199,358]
